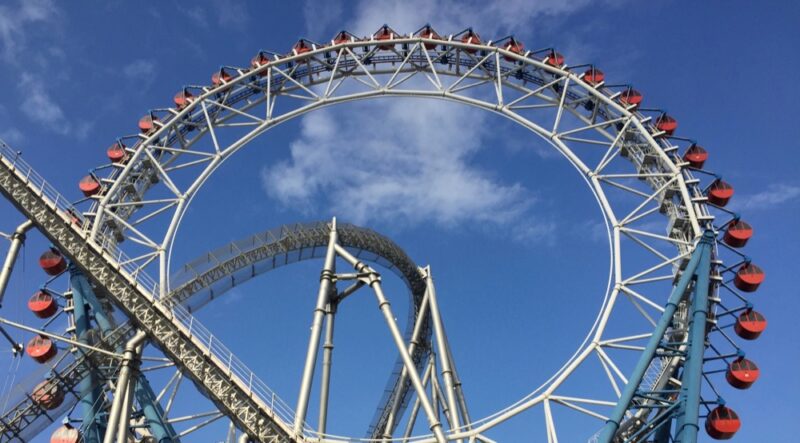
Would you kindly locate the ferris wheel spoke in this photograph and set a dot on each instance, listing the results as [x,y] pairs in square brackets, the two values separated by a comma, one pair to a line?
[570,402]
[604,356]
[437,82]
[479,64]
[609,375]
[549,424]
[363,69]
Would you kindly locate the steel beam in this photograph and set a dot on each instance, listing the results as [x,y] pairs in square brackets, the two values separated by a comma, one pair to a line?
[323,299]
[175,340]
[678,292]
[17,240]
[693,368]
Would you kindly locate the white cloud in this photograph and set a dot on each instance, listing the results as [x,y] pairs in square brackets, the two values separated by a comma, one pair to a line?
[408,162]
[40,107]
[140,71]
[232,13]
[775,195]
[492,19]
[16,22]
[322,18]
[12,136]
[197,15]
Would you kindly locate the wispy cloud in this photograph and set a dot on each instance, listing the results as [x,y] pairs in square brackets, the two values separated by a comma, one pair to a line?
[11,136]
[40,107]
[410,162]
[197,15]
[16,22]
[413,170]
[232,13]
[775,195]
[141,71]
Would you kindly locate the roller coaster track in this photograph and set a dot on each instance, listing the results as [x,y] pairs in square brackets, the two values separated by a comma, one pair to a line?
[257,254]
[232,387]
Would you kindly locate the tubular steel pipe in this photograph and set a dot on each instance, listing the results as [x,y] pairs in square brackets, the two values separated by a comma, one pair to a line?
[385,307]
[323,298]
[374,282]
[89,393]
[444,354]
[327,356]
[421,316]
[17,240]
[123,380]
[693,370]
[125,414]
[615,419]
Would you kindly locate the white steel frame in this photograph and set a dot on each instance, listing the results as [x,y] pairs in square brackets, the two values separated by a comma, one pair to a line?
[167,167]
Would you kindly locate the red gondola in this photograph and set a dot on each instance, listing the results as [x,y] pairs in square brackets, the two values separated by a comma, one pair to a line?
[695,156]
[593,76]
[66,434]
[182,98]
[342,37]
[720,193]
[117,153]
[750,324]
[742,373]
[41,349]
[749,277]
[428,32]
[147,123]
[666,124]
[737,234]
[515,46]
[301,47]
[42,304]
[89,186]
[48,395]
[385,33]
[221,76]
[52,262]
[722,423]
[472,38]
[554,59]
[631,97]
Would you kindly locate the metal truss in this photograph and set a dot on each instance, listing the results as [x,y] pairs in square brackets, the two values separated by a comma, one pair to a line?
[654,208]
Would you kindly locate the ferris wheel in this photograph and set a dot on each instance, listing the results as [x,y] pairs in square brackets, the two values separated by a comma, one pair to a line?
[675,262]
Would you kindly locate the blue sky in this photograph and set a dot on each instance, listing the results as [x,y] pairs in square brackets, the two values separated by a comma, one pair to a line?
[506,225]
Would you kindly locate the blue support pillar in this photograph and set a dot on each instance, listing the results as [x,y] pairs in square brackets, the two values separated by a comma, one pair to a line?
[161,430]
[634,381]
[693,368]
[90,395]
[153,412]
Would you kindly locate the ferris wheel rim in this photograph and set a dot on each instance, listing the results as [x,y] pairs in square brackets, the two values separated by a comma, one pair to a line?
[573,77]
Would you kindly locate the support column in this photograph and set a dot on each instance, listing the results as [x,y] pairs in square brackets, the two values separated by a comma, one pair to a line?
[422,318]
[327,357]
[17,240]
[159,428]
[444,354]
[125,413]
[89,389]
[123,380]
[693,368]
[323,298]
[385,308]
[615,419]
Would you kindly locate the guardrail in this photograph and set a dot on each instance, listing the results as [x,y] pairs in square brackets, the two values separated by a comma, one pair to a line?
[225,358]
